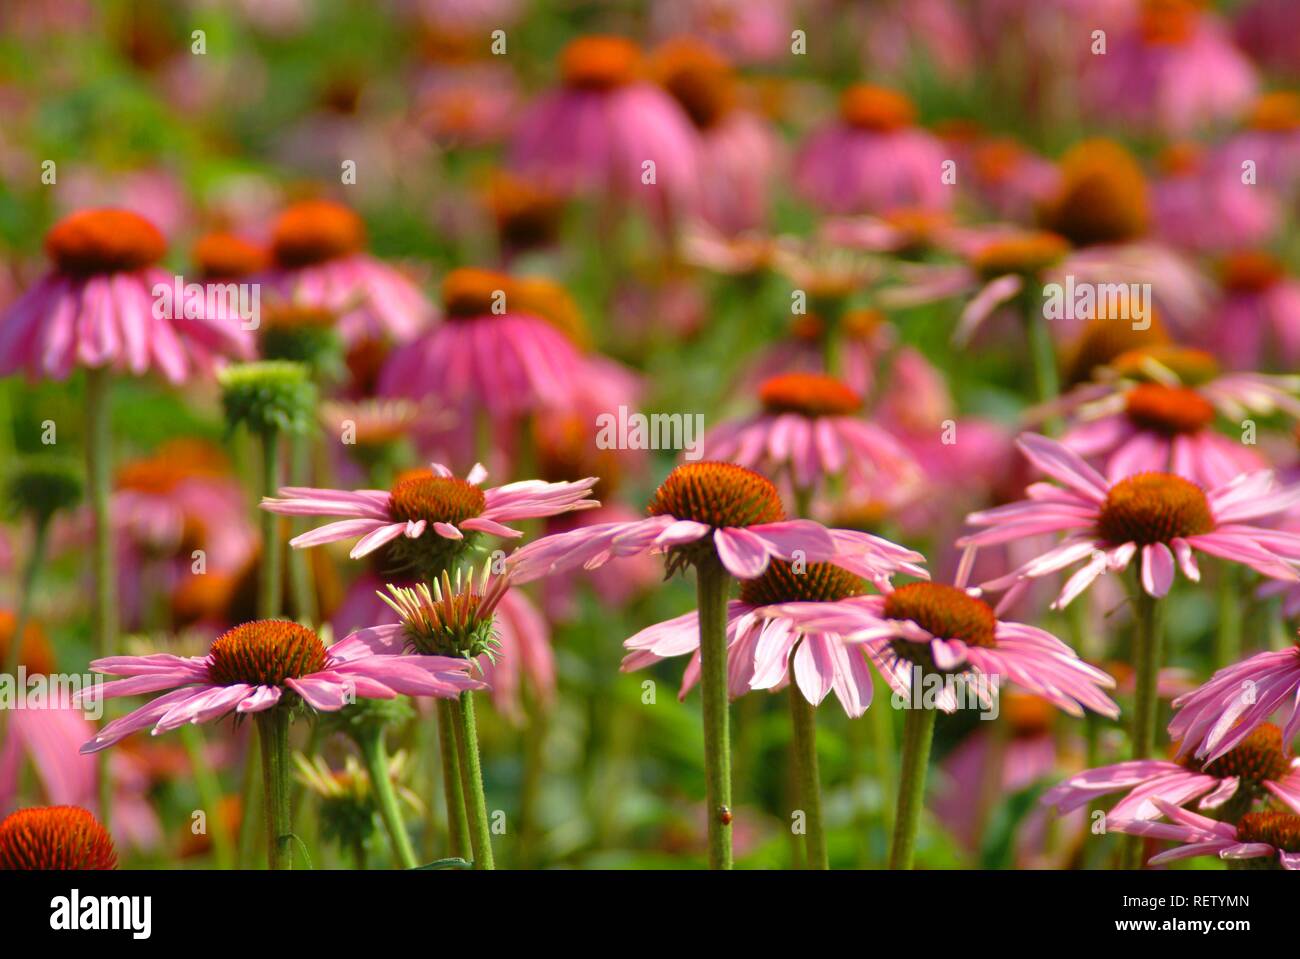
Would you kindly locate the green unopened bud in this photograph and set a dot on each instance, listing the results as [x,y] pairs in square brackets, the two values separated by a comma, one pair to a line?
[269,396]
[42,486]
[304,335]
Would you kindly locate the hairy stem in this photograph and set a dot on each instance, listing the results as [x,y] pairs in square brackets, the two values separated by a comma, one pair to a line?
[711,582]
[918,733]
[471,781]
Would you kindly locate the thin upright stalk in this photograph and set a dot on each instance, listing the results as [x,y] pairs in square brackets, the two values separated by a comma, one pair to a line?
[269,594]
[375,756]
[918,733]
[1227,638]
[1042,354]
[471,781]
[209,788]
[1148,634]
[273,731]
[803,720]
[40,539]
[711,582]
[300,578]
[98,470]
[457,821]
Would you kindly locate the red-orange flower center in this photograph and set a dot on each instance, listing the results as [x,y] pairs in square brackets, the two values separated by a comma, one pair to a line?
[423,495]
[1250,271]
[1027,253]
[875,108]
[1257,758]
[314,231]
[1102,340]
[265,652]
[104,241]
[470,292]
[600,63]
[699,78]
[944,612]
[1277,112]
[1148,508]
[1281,830]
[225,256]
[1169,410]
[817,583]
[718,494]
[1102,197]
[55,837]
[810,394]
[1169,21]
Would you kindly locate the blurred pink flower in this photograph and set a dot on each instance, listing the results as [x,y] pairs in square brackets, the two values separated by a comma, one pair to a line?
[1175,68]
[872,158]
[96,308]
[320,263]
[1257,318]
[596,133]
[1201,204]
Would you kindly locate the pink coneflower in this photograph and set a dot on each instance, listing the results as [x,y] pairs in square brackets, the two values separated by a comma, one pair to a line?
[946,629]
[1257,835]
[873,158]
[318,248]
[1175,68]
[596,133]
[764,646]
[1164,517]
[1199,203]
[1254,769]
[55,837]
[748,32]
[1216,717]
[703,508]
[1009,179]
[256,666]
[490,354]
[96,309]
[739,153]
[428,515]
[1258,317]
[810,428]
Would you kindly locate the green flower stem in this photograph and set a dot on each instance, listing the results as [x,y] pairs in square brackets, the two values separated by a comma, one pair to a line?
[803,720]
[457,821]
[40,540]
[300,578]
[269,598]
[918,734]
[711,583]
[376,759]
[1042,354]
[205,780]
[273,731]
[471,780]
[1227,638]
[98,482]
[1148,634]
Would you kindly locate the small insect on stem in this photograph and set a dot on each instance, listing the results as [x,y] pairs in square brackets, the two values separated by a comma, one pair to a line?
[724,815]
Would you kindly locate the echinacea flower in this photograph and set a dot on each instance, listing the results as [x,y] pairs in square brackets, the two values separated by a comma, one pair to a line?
[598,130]
[256,666]
[1175,69]
[936,628]
[96,309]
[1199,203]
[319,261]
[764,646]
[811,427]
[55,837]
[1164,517]
[1258,835]
[872,158]
[1219,715]
[1255,768]
[428,515]
[489,354]
[704,509]
[1258,317]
